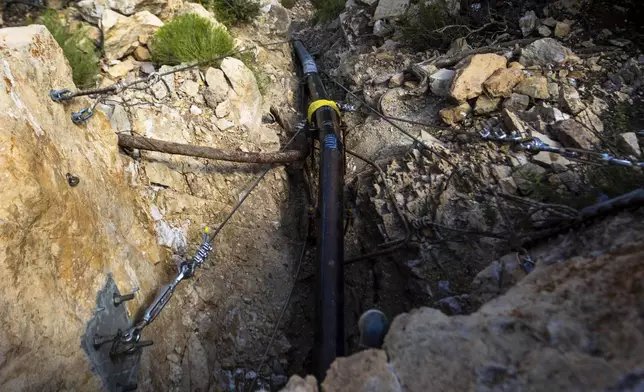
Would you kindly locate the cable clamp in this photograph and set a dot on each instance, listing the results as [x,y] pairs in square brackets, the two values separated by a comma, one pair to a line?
[320,103]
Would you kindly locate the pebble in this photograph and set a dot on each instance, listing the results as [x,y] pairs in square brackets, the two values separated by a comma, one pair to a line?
[195,110]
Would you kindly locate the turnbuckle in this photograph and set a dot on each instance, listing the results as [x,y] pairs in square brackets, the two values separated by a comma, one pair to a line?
[82,115]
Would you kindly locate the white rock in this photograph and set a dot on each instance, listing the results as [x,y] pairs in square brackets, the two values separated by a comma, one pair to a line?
[119,32]
[390,9]
[190,87]
[528,22]
[121,69]
[245,98]
[224,124]
[195,110]
[440,81]
[223,109]
[628,143]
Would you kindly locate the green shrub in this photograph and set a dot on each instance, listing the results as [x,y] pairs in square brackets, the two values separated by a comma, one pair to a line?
[327,10]
[79,50]
[230,12]
[188,38]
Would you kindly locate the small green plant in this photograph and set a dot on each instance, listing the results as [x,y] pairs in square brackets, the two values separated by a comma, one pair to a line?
[613,181]
[432,27]
[231,12]
[327,10]
[288,4]
[79,50]
[188,38]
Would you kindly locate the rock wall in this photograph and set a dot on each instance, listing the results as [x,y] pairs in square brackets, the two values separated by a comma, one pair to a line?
[58,242]
[574,323]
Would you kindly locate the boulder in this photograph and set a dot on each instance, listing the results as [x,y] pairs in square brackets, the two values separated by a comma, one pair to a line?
[502,81]
[92,10]
[472,73]
[545,158]
[198,9]
[397,80]
[218,87]
[141,53]
[245,96]
[119,32]
[57,241]
[485,104]
[368,367]
[440,81]
[562,29]
[157,7]
[517,102]
[545,52]
[390,9]
[534,86]
[299,384]
[456,114]
[528,23]
[121,69]
[512,122]
[571,133]
[570,100]
[627,142]
[544,31]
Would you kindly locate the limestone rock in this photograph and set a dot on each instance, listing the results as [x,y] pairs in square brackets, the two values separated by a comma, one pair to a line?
[121,69]
[573,134]
[141,53]
[298,384]
[218,87]
[553,90]
[388,9]
[549,21]
[190,88]
[562,29]
[223,109]
[196,8]
[570,100]
[456,114]
[92,10]
[544,52]
[485,104]
[526,175]
[528,22]
[544,31]
[512,122]
[397,80]
[517,102]
[157,7]
[58,242]
[502,81]
[590,121]
[195,110]
[120,31]
[440,81]
[534,86]
[245,96]
[367,367]
[627,142]
[472,73]
[546,158]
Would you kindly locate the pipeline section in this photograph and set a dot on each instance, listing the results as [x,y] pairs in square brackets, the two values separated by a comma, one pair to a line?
[324,117]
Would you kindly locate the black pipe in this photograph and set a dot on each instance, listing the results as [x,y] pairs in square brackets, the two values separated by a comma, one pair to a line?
[329,329]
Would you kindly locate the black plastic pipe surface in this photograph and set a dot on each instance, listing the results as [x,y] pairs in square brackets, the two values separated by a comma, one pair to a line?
[329,333]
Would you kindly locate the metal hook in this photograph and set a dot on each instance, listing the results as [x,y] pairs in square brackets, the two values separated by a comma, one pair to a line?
[82,115]
[60,95]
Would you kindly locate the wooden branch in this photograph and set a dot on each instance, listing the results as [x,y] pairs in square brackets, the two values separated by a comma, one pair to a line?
[449,61]
[144,143]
